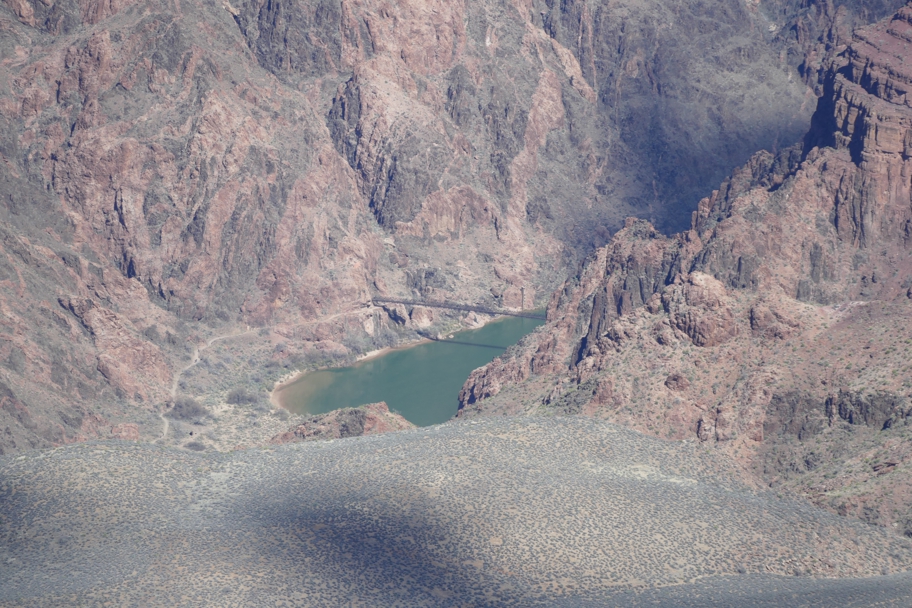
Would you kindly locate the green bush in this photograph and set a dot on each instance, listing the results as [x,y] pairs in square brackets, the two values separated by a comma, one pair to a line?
[241,396]
[186,408]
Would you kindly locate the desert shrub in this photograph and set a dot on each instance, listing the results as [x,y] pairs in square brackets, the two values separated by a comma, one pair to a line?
[357,343]
[186,408]
[241,396]
[386,338]
[151,333]
[196,446]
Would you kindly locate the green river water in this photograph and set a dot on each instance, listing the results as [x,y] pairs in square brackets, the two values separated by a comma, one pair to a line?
[420,382]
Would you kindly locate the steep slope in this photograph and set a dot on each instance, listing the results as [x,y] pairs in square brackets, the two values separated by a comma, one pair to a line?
[499,512]
[778,327]
[152,183]
[177,175]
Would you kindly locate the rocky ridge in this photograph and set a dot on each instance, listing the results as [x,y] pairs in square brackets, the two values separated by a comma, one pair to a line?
[777,328]
[370,419]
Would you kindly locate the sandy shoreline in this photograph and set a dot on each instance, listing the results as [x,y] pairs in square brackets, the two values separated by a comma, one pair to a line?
[293,377]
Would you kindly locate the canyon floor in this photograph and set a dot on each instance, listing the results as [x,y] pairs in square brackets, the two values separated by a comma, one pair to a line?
[508,512]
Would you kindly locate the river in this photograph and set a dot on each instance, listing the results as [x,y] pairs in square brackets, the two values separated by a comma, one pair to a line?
[421,382]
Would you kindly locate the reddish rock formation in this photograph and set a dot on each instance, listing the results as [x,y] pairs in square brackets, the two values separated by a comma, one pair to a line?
[370,419]
[179,173]
[677,382]
[125,431]
[778,326]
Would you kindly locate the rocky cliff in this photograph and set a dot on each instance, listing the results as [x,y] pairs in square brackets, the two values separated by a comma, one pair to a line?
[175,174]
[778,327]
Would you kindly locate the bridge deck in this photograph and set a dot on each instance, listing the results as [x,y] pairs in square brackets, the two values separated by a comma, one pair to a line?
[457,306]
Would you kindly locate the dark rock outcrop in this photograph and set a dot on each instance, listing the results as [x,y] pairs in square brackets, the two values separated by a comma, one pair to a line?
[879,410]
[369,419]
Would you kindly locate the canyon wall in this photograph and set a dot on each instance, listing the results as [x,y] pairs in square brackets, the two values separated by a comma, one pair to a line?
[778,327]
[177,173]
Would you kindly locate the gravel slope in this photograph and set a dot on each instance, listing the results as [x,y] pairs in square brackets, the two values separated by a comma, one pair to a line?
[492,512]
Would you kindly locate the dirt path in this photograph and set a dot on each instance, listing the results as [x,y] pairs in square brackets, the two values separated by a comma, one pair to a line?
[197,351]
[193,361]
[197,355]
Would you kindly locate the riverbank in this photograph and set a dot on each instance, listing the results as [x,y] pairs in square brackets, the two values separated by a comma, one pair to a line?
[420,381]
[295,376]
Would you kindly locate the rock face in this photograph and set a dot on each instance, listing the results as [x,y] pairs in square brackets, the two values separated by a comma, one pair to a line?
[369,419]
[174,174]
[777,327]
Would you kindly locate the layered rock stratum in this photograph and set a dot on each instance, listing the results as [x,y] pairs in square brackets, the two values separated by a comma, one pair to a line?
[523,512]
[776,329]
[249,174]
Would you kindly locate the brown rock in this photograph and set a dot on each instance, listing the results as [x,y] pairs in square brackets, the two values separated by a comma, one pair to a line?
[789,268]
[768,319]
[513,297]
[370,419]
[422,317]
[127,431]
[698,307]
[204,173]
[677,382]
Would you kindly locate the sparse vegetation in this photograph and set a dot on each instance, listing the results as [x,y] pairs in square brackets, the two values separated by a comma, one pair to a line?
[241,396]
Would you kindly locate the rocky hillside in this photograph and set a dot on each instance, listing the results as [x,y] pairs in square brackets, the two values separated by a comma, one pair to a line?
[369,419]
[499,512]
[779,327]
[176,174]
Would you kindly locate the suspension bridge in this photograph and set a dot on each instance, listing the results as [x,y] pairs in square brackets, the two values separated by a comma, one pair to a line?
[464,307]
